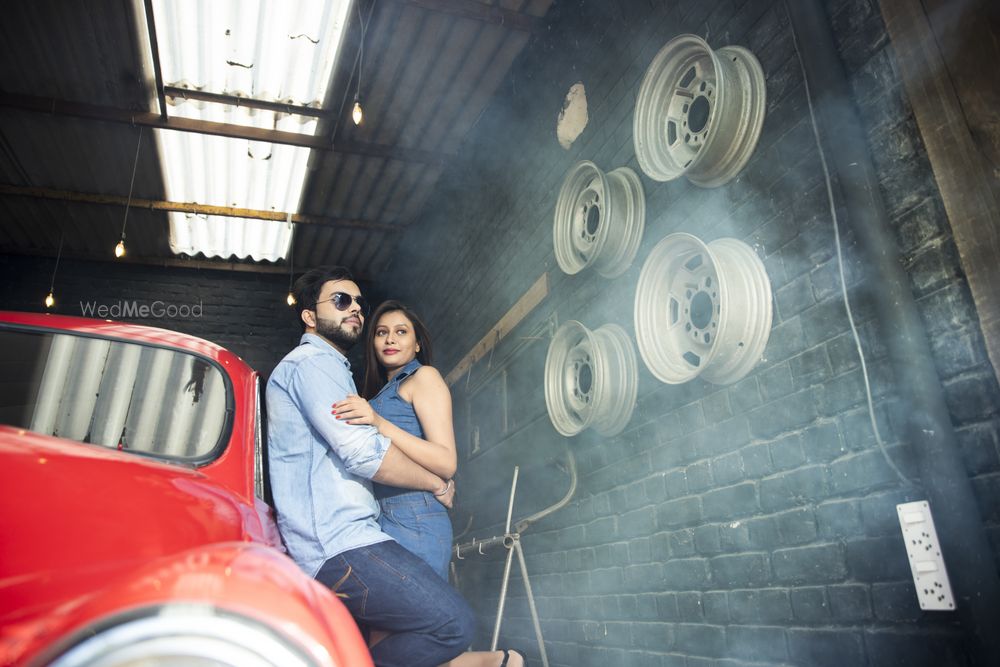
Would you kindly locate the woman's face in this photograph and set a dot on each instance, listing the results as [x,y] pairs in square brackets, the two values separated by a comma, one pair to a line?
[395,341]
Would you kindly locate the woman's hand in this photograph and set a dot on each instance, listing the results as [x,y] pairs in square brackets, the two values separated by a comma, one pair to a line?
[356,410]
[446,496]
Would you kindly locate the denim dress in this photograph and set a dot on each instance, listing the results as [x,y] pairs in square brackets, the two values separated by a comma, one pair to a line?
[415,519]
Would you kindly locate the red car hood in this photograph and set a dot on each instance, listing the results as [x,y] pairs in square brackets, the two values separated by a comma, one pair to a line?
[74,516]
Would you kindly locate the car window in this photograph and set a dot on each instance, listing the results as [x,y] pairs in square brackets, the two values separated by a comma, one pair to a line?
[120,395]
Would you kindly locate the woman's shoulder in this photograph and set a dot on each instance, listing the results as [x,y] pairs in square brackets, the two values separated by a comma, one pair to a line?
[428,374]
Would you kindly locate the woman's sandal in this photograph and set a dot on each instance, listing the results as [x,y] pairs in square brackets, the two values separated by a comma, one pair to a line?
[506,657]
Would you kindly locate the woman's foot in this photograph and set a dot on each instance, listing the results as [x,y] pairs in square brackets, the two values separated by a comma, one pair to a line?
[512,659]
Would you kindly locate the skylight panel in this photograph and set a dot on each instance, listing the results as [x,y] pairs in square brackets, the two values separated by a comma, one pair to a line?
[265,50]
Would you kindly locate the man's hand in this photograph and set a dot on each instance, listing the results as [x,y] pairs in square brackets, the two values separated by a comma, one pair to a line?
[446,496]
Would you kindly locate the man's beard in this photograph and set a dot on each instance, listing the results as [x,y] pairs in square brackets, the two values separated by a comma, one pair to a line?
[337,334]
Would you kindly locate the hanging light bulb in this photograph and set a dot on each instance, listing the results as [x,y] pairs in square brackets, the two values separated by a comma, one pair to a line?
[357,114]
[50,300]
[291,299]
[120,249]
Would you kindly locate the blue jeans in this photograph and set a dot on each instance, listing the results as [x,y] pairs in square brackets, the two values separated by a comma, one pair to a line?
[421,524]
[386,587]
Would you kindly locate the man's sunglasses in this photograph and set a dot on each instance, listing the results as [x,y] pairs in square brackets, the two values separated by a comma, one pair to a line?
[342,301]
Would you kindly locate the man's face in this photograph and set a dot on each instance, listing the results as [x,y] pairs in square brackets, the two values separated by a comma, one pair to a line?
[340,327]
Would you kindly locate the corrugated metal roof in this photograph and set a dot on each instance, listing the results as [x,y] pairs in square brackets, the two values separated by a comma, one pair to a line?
[429,70]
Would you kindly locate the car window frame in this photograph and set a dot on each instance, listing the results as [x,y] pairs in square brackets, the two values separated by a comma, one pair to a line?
[225,433]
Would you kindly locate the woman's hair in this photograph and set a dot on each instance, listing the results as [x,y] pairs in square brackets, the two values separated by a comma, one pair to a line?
[375,375]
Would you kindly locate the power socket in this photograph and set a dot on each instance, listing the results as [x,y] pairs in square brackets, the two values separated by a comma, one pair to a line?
[926,562]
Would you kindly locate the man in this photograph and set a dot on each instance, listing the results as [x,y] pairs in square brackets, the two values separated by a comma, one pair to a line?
[321,471]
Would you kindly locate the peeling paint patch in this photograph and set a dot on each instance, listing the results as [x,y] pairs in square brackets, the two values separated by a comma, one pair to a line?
[573,117]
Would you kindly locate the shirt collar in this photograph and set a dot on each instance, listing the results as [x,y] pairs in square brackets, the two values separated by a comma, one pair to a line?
[321,343]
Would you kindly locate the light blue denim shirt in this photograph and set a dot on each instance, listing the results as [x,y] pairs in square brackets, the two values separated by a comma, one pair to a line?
[320,467]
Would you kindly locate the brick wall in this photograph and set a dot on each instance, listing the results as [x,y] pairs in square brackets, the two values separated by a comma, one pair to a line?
[243,312]
[750,523]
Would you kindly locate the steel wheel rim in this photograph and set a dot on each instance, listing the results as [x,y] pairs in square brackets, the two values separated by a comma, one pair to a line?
[590,379]
[698,112]
[598,220]
[702,310]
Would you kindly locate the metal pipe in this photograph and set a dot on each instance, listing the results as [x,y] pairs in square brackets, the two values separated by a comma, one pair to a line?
[531,603]
[510,503]
[521,525]
[154,52]
[503,600]
[946,482]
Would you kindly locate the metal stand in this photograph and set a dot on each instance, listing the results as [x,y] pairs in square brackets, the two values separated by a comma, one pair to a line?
[511,541]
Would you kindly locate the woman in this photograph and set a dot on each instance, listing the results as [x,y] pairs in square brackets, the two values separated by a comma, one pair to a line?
[410,404]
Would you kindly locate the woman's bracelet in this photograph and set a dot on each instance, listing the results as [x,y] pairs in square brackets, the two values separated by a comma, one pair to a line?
[446,489]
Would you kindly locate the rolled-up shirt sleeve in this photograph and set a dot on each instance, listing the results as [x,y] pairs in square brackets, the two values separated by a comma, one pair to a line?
[316,386]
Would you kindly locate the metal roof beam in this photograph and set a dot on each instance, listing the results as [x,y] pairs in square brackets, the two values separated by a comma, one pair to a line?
[200,209]
[148,119]
[236,101]
[477,11]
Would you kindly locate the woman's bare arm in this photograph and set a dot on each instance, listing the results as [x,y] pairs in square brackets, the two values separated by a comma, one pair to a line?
[427,392]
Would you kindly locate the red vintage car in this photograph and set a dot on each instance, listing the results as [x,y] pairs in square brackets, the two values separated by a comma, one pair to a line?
[132,529]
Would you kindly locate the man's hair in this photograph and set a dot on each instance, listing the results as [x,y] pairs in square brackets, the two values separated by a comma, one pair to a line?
[307,288]
[375,375]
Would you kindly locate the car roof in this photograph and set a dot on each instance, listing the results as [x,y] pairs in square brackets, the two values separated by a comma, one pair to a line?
[140,333]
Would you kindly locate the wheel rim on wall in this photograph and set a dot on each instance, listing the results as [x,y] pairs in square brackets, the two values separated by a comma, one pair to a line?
[599,219]
[698,112]
[702,310]
[590,379]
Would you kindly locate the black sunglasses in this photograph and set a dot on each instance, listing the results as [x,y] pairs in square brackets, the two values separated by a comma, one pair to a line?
[342,301]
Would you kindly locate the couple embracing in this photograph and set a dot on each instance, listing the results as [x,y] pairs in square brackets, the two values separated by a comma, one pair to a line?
[361,486]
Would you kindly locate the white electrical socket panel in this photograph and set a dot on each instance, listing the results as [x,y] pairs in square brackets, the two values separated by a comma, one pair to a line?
[926,561]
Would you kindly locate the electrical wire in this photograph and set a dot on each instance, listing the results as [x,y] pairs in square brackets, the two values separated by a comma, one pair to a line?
[840,264]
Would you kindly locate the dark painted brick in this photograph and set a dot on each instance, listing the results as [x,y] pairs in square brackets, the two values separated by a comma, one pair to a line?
[745,394]
[728,468]
[972,398]
[822,443]
[825,648]
[878,559]
[786,452]
[734,536]
[917,649]
[684,574]
[796,526]
[850,603]
[666,607]
[740,570]
[878,513]
[682,543]
[775,382]
[823,321]
[979,447]
[689,606]
[862,471]
[706,539]
[794,297]
[716,407]
[730,502]
[681,512]
[763,532]
[757,460]
[640,550]
[699,476]
[839,518]
[824,562]
[809,604]
[811,367]
[789,413]
[895,601]
[716,607]
[768,606]
[757,643]
[793,488]
[637,522]
[700,639]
